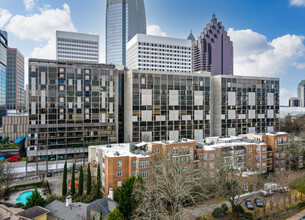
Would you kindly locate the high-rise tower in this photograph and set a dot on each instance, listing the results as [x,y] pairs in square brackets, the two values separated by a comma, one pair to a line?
[3,71]
[213,51]
[124,19]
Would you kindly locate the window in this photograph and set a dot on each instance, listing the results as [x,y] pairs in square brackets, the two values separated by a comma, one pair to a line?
[250,157]
[212,165]
[212,156]
[119,183]
[103,159]
[133,163]
[157,150]
[144,164]
[264,149]
[144,174]
[250,149]
[135,173]
[263,157]
[168,154]
[258,150]
[200,155]
[205,156]
[119,163]
[244,186]
[257,157]
[119,173]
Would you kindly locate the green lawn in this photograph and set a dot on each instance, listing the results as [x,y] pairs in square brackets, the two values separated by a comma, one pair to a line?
[299,185]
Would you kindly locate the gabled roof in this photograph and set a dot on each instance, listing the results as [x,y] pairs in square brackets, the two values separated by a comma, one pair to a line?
[33,212]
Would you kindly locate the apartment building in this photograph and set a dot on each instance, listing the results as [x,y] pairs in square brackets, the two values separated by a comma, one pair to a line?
[243,104]
[79,47]
[15,80]
[15,126]
[121,161]
[71,105]
[166,106]
[148,52]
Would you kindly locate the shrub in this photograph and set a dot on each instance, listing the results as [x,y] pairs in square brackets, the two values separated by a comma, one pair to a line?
[19,205]
[51,198]
[115,215]
[301,205]
[238,209]
[224,207]
[246,216]
[35,200]
[218,213]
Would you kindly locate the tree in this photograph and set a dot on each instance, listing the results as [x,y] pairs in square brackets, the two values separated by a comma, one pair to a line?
[6,174]
[64,180]
[88,180]
[35,200]
[218,213]
[126,198]
[98,182]
[170,188]
[73,180]
[81,181]
[115,215]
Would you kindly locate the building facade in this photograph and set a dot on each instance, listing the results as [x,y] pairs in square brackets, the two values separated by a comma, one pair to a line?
[248,155]
[166,106]
[301,92]
[15,126]
[3,72]
[79,47]
[148,52]
[124,19]
[15,80]
[243,104]
[213,50]
[295,102]
[71,105]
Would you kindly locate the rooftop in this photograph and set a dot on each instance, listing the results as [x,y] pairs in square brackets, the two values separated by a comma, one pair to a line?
[33,212]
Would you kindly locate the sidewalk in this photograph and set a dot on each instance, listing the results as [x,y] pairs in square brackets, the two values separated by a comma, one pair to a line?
[297,216]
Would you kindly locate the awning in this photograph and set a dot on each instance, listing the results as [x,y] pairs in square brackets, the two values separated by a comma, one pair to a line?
[4,139]
[19,140]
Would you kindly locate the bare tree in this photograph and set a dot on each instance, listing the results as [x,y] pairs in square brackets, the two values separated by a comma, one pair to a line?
[172,185]
[7,174]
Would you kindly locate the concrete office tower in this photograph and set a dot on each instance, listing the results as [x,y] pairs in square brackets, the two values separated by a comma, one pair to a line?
[15,80]
[72,105]
[243,104]
[166,105]
[77,47]
[213,51]
[124,19]
[301,92]
[148,52]
[3,72]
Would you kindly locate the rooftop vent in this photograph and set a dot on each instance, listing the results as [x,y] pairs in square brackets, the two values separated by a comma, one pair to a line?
[108,145]
[116,153]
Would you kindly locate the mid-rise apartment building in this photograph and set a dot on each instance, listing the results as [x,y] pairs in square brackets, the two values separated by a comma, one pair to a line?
[71,46]
[213,50]
[71,105]
[166,106]
[15,126]
[15,80]
[120,161]
[295,102]
[148,52]
[247,155]
[3,70]
[243,104]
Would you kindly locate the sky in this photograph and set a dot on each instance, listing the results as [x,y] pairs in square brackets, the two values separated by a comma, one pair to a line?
[268,35]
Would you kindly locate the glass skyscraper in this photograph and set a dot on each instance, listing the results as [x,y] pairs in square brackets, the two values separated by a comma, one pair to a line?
[3,70]
[124,19]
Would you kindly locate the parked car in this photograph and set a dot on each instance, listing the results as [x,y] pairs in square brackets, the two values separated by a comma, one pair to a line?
[249,205]
[258,202]
[303,218]
[49,174]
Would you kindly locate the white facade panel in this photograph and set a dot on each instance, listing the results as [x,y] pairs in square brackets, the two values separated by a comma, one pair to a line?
[160,118]
[173,97]
[173,115]
[198,135]
[251,98]
[173,135]
[146,97]
[270,99]
[231,114]
[198,97]
[231,131]
[270,114]
[198,115]
[251,114]
[231,98]
[146,115]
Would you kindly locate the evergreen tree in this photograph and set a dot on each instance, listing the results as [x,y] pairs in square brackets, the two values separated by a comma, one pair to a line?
[98,182]
[88,180]
[35,200]
[64,180]
[73,180]
[115,215]
[81,182]
[126,198]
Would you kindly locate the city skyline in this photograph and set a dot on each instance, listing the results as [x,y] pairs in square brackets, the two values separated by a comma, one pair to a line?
[278,37]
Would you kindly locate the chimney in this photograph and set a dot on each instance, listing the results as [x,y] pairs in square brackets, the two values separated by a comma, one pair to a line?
[68,201]
[111,193]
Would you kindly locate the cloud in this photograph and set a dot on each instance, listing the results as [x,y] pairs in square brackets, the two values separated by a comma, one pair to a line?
[5,15]
[155,30]
[47,51]
[285,95]
[41,26]
[300,66]
[297,3]
[29,4]
[254,55]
